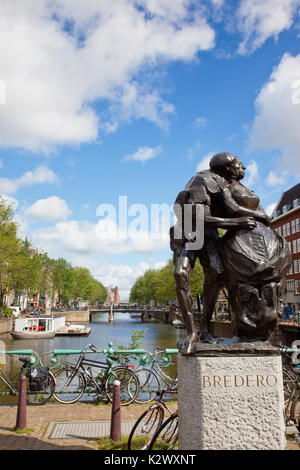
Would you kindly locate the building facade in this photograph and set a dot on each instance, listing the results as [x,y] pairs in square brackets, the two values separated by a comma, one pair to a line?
[113,296]
[286,222]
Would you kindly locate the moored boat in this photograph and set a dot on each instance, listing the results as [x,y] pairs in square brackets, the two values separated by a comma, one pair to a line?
[32,334]
[74,330]
[37,327]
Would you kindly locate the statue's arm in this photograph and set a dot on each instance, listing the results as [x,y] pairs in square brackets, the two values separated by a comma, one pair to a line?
[226,223]
[239,211]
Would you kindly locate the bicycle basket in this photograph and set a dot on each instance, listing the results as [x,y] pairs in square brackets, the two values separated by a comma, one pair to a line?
[38,379]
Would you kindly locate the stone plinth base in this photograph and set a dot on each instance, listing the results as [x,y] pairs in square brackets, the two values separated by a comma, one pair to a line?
[231,398]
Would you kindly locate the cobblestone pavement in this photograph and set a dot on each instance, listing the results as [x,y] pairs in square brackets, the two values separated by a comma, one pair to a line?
[38,419]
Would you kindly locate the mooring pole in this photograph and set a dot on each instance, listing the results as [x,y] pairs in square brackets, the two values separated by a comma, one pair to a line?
[111,314]
[21,413]
[115,424]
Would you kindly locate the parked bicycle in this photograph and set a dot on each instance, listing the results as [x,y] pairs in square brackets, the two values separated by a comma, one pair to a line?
[73,380]
[166,437]
[40,381]
[149,423]
[291,385]
[152,377]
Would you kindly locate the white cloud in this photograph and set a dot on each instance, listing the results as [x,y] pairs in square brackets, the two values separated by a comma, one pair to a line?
[53,208]
[270,208]
[251,173]
[274,180]
[120,275]
[260,19]
[160,264]
[83,237]
[200,122]
[40,175]
[11,201]
[204,164]
[144,154]
[71,53]
[276,124]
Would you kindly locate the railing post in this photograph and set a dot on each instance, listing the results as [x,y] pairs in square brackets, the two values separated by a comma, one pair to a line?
[21,413]
[115,424]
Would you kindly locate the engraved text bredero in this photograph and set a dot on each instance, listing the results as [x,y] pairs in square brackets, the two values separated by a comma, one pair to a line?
[236,381]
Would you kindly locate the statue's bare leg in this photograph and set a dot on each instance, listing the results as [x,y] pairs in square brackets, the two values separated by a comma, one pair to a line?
[182,272]
[210,295]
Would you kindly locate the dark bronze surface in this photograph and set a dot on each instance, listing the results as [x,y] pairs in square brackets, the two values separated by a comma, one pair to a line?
[250,260]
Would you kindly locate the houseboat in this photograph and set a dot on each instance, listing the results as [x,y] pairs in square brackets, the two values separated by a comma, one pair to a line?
[40,327]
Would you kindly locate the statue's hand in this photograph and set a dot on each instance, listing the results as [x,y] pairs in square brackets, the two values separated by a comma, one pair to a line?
[246,222]
[266,219]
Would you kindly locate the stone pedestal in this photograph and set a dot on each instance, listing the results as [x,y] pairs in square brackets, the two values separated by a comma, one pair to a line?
[231,398]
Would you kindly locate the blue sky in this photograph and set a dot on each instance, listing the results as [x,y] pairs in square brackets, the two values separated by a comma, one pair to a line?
[129,98]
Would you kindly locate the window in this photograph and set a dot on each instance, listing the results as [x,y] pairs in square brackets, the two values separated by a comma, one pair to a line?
[291,269]
[285,208]
[298,245]
[293,226]
[284,230]
[297,225]
[297,287]
[297,266]
[290,246]
[288,229]
[290,286]
[279,230]
[295,246]
[296,202]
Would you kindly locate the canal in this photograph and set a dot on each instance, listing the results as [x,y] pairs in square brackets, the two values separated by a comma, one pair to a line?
[156,334]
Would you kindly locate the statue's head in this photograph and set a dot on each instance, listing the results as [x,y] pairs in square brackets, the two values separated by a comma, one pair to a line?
[227,165]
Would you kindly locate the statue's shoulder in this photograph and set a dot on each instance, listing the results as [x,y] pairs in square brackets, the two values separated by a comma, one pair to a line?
[206,182]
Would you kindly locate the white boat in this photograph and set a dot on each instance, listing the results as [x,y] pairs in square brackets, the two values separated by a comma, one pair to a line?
[74,330]
[37,327]
[32,334]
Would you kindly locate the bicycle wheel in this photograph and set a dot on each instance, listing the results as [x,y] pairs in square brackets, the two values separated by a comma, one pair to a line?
[166,436]
[70,385]
[288,384]
[145,427]
[129,385]
[43,396]
[295,410]
[149,385]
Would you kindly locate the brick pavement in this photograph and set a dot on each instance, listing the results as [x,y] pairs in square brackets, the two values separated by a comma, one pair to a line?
[39,418]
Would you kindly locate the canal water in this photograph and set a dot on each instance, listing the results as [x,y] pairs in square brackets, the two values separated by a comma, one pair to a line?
[156,334]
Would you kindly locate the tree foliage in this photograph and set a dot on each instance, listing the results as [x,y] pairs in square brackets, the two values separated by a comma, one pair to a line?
[24,271]
[159,285]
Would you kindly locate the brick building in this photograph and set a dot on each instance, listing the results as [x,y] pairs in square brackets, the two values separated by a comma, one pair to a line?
[113,296]
[286,222]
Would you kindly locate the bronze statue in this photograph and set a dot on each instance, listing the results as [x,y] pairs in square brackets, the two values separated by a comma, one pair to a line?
[250,260]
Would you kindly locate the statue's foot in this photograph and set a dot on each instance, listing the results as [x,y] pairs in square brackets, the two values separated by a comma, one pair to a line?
[187,345]
[206,337]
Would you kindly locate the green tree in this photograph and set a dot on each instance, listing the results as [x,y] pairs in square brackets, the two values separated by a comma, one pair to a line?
[87,287]
[10,248]
[166,288]
[159,285]
[63,279]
